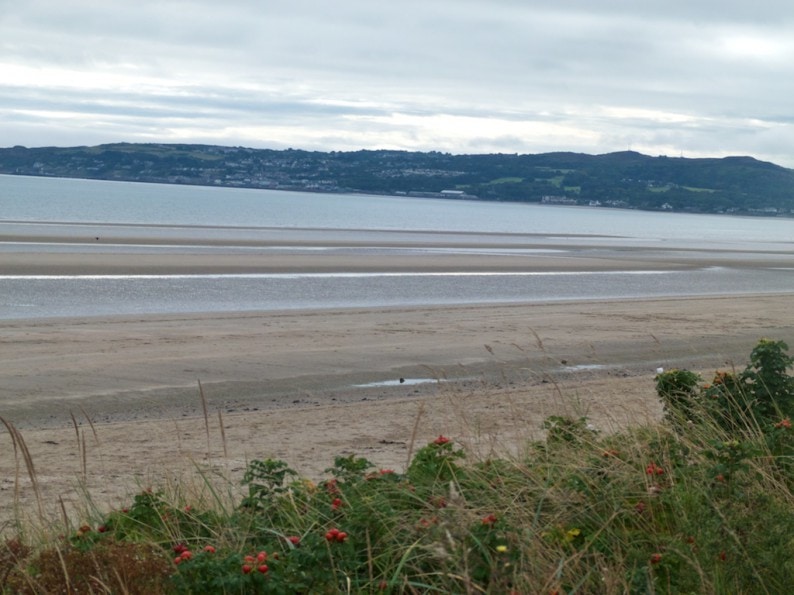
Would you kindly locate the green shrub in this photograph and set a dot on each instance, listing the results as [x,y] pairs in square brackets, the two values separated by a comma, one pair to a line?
[767,382]
[679,392]
[759,396]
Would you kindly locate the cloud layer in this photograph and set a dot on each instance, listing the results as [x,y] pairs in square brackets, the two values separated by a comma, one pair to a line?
[700,78]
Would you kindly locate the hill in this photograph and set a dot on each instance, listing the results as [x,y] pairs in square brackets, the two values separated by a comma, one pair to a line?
[741,185]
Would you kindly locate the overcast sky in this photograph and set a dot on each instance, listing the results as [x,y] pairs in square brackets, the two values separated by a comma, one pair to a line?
[675,77]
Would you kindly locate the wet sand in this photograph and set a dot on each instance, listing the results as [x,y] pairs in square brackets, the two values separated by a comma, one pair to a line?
[122,393]
[194,250]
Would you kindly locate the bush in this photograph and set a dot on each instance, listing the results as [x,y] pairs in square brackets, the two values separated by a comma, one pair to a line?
[770,389]
[678,390]
[758,397]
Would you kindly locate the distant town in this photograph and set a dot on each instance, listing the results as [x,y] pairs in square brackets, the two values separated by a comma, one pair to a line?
[730,185]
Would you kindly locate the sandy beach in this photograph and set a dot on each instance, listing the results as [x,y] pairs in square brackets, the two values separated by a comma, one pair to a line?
[111,404]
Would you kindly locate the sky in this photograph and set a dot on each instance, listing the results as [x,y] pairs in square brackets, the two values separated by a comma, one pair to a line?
[692,78]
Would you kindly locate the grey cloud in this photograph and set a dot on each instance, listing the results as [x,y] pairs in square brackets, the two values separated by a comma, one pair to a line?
[334,73]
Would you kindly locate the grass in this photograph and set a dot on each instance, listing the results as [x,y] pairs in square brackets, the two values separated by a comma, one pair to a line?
[666,188]
[700,503]
[506,180]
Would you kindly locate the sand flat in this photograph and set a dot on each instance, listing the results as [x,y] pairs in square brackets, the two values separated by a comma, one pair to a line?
[285,384]
[288,384]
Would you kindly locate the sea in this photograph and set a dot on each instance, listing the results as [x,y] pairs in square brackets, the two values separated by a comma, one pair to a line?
[222,220]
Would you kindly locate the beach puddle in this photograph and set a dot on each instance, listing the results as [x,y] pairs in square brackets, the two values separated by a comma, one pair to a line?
[397,382]
[586,367]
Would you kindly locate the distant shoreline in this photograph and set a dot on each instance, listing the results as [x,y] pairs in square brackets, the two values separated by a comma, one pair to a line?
[468,198]
[625,179]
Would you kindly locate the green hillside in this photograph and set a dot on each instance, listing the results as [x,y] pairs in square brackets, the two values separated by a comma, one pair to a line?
[626,179]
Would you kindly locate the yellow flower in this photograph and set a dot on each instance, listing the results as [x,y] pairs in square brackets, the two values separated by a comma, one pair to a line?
[501,549]
[572,534]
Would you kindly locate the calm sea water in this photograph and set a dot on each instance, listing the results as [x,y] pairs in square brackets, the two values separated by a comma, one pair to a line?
[73,207]
[84,201]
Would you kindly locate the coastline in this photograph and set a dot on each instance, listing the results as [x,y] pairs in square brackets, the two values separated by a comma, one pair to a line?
[285,384]
[148,366]
[307,385]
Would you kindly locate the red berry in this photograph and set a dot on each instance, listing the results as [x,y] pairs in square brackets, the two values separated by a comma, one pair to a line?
[263,568]
[331,486]
[341,536]
[102,528]
[294,540]
[656,558]
[246,569]
[261,556]
[209,549]
[441,440]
